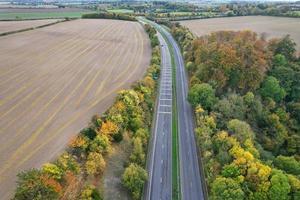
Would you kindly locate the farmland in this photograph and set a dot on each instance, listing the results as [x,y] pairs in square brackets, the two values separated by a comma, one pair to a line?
[7,26]
[54,79]
[40,13]
[272,26]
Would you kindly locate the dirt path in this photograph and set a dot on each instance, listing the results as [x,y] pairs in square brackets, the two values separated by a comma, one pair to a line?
[53,79]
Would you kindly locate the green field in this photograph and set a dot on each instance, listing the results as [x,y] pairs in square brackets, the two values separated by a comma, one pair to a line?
[120,11]
[42,15]
[181,13]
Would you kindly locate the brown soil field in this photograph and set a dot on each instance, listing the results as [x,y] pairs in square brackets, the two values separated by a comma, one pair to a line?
[53,79]
[271,26]
[7,26]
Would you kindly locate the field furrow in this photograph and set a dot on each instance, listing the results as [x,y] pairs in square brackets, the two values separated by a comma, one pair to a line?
[53,79]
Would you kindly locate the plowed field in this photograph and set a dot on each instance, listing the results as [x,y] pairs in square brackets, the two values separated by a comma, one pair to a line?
[270,26]
[53,79]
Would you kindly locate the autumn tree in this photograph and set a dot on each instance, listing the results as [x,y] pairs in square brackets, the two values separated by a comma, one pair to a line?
[95,164]
[230,60]
[34,184]
[109,128]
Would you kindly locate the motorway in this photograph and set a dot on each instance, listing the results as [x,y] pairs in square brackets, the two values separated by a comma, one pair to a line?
[191,187]
[159,185]
[190,180]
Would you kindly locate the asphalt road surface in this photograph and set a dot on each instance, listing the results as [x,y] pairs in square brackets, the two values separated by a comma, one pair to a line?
[159,185]
[190,180]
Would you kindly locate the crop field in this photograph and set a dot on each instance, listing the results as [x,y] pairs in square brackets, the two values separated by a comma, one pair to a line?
[120,11]
[40,13]
[7,26]
[271,26]
[53,79]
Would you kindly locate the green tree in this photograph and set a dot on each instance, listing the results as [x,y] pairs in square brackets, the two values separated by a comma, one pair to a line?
[138,155]
[100,144]
[280,187]
[90,192]
[66,162]
[226,189]
[202,94]
[143,134]
[134,178]
[242,131]
[285,46]
[271,89]
[231,171]
[288,164]
[53,170]
[136,123]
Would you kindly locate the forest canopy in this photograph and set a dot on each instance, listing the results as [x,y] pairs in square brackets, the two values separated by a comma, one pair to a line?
[246,94]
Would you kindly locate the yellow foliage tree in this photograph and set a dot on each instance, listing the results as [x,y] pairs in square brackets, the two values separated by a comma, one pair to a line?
[95,163]
[109,128]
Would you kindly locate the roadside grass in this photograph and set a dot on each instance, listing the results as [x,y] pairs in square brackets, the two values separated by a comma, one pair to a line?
[120,11]
[116,162]
[41,15]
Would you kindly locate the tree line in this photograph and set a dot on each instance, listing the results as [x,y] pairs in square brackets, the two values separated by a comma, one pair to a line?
[73,174]
[246,94]
[107,15]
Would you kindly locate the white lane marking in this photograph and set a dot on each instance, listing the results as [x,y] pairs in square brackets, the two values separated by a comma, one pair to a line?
[165,99]
[166,105]
[161,179]
[161,112]
[162,161]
